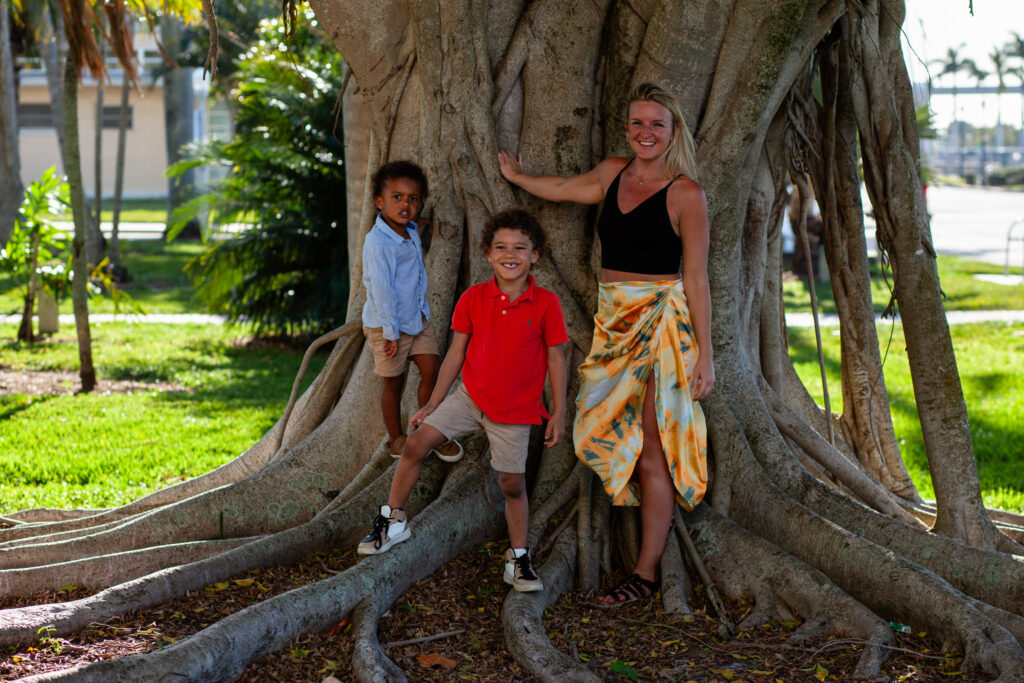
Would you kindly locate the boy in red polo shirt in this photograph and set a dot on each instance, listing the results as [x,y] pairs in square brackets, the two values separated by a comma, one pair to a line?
[508,334]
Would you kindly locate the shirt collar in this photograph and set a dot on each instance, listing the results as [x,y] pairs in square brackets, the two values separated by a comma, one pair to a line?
[492,289]
[381,224]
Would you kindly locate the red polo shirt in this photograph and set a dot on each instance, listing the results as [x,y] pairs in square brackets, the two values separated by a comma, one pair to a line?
[507,357]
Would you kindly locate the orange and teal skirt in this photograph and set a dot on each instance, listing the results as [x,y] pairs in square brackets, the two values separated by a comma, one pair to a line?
[641,327]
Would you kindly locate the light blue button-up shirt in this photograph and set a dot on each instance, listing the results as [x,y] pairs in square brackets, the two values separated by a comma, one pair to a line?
[395,280]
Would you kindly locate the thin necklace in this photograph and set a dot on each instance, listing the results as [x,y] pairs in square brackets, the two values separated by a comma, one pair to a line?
[641,181]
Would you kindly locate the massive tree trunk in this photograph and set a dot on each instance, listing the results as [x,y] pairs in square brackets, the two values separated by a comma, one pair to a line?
[830,531]
[10,168]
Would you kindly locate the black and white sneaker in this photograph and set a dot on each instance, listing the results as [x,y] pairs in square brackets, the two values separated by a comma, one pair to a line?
[519,573]
[389,528]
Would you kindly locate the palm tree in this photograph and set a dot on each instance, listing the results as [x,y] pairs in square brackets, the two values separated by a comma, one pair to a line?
[979,75]
[1000,69]
[1015,49]
[952,65]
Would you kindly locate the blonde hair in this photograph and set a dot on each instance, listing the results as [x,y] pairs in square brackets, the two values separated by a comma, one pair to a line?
[681,155]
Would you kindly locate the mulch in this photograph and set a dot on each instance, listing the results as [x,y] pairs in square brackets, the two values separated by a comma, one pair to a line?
[464,599]
[58,383]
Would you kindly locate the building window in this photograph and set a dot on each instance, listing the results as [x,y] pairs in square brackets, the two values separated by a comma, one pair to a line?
[41,116]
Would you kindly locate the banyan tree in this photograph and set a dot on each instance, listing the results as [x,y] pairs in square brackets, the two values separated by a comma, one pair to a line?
[810,514]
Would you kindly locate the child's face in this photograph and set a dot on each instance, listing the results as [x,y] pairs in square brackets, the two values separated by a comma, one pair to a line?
[400,202]
[511,255]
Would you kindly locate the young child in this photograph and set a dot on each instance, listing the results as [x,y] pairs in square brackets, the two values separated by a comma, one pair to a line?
[396,316]
[508,333]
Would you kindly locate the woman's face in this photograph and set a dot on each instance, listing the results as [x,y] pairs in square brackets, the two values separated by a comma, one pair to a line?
[649,129]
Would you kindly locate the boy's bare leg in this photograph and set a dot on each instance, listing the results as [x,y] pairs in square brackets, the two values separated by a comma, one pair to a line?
[417,446]
[391,405]
[429,365]
[517,507]
[657,498]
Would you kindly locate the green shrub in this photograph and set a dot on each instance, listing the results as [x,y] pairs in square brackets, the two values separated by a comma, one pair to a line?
[288,272]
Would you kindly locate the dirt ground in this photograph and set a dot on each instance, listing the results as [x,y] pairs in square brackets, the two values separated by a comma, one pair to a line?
[463,600]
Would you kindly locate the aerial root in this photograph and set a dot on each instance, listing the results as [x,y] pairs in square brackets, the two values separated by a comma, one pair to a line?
[782,586]
[318,400]
[587,552]
[108,570]
[676,587]
[852,476]
[369,663]
[522,617]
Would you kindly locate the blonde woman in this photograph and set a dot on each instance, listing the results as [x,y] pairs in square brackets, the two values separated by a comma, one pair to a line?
[638,425]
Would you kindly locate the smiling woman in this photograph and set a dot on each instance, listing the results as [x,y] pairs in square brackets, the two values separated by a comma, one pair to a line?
[651,354]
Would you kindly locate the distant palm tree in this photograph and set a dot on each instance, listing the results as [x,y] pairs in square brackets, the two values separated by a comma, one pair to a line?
[1000,69]
[1015,49]
[979,75]
[952,65]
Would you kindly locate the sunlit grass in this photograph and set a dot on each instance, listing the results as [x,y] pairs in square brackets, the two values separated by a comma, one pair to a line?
[990,358]
[101,450]
[963,292]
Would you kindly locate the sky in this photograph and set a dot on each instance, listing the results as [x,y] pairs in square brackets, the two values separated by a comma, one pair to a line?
[933,26]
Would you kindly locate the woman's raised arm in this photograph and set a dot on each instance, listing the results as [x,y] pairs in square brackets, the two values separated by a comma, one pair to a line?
[586,188]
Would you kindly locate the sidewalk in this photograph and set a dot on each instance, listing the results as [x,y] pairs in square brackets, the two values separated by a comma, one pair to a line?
[172,319]
[952,317]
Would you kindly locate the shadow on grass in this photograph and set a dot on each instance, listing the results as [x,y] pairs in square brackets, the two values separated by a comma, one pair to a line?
[12,404]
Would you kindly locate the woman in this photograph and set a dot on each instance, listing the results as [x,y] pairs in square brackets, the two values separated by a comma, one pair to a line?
[637,423]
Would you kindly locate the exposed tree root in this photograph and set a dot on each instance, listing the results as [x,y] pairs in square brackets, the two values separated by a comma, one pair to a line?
[369,662]
[344,525]
[887,583]
[454,523]
[302,415]
[51,514]
[676,587]
[783,588]
[522,616]
[109,570]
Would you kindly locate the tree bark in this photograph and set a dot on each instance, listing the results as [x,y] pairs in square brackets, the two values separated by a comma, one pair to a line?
[79,258]
[178,106]
[822,530]
[11,189]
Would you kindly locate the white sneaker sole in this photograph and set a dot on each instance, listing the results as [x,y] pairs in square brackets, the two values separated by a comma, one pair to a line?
[510,579]
[370,550]
[450,458]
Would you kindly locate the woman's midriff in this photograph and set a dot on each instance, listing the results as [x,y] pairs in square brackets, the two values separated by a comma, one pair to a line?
[608,275]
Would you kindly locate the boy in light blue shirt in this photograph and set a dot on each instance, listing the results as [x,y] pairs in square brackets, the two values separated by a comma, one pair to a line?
[396,316]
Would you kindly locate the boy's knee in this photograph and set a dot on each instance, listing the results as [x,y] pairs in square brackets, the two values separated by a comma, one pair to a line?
[417,446]
[393,384]
[512,484]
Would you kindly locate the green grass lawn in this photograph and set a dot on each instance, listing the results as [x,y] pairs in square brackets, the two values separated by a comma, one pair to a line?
[990,358]
[132,211]
[157,280]
[100,450]
[963,292]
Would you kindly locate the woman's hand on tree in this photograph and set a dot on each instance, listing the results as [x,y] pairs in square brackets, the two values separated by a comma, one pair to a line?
[703,378]
[511,166]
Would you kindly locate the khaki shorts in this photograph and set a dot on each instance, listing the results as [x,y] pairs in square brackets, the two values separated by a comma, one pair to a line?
[458,415]
[408,345]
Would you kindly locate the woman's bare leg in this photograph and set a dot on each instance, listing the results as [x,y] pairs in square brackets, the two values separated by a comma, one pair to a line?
[657,493]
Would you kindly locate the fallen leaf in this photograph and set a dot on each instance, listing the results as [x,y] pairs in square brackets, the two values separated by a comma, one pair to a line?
[244,583]
[340,626]
[436,658]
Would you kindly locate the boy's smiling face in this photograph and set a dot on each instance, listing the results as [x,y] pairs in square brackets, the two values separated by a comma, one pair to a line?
[399,203]
[511,254]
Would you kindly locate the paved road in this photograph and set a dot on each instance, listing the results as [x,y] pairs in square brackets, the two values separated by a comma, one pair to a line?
[971,222]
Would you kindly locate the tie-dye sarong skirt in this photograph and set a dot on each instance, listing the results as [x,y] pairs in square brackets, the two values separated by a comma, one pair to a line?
[640,327]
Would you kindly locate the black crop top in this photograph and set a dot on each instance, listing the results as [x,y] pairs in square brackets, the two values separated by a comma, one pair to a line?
[641,241]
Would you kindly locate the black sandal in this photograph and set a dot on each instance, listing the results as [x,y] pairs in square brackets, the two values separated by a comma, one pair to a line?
[634,587]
